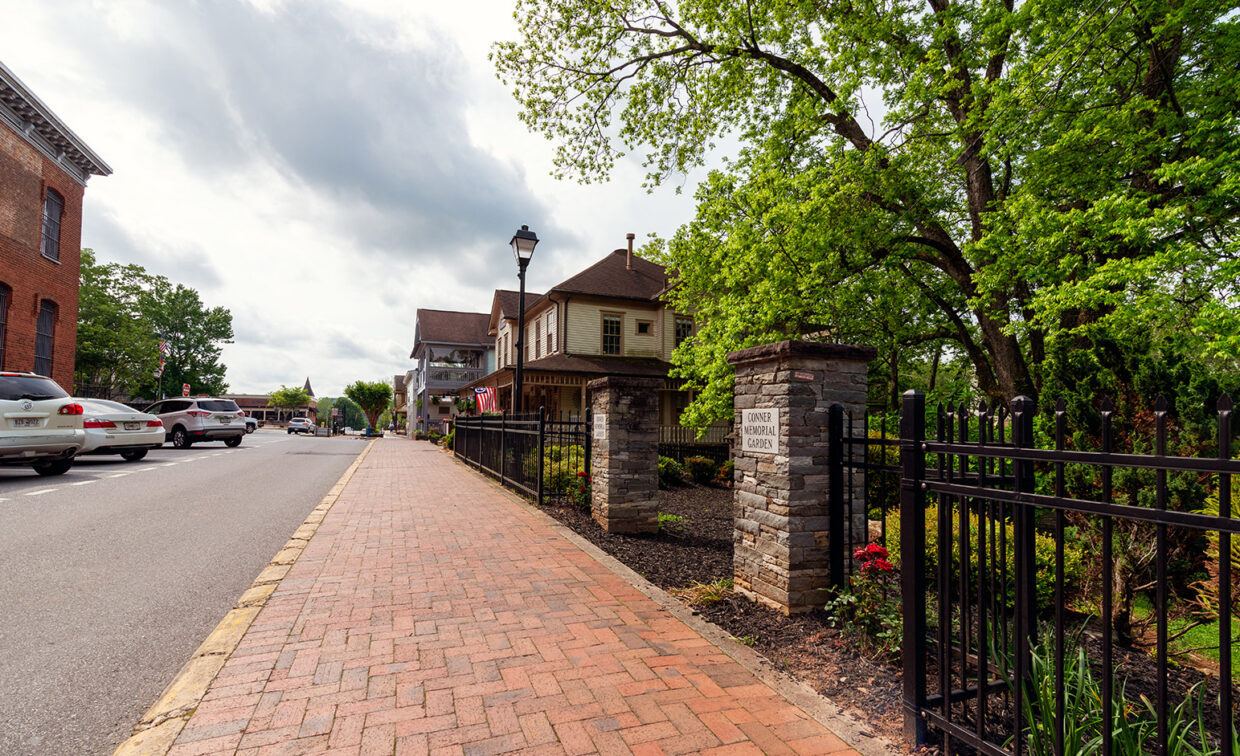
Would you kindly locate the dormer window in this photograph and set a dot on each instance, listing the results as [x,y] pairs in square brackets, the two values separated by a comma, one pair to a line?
[53,208]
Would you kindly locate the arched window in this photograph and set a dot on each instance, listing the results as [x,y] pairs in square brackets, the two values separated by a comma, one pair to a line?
[45,337]
[53,207]
[6,294]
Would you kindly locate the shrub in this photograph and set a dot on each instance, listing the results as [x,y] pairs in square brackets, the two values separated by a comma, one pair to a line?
[704,594]
[701,469]
[869,609]
[579,492]
[671,473]
[727,472]
[562,468]
[671,521]
[1044,554]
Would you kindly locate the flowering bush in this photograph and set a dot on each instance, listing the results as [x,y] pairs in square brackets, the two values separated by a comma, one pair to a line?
[867,609]
[579,491]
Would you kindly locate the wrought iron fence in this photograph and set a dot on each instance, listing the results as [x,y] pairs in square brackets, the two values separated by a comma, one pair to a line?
[865,446]
[547,460]
[993,660]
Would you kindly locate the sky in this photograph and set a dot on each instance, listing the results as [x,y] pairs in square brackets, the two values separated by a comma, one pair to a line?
[321,168]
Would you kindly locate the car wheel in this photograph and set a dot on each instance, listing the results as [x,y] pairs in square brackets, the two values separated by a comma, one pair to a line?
[290,431]
[249,429]
[234,441]
[57,467]
[180,439]
[133,456]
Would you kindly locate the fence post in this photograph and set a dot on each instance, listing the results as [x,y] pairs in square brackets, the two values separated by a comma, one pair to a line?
[455,437]
[542,434]
[503,445]
[1026,568]
[835,493]
[913,561]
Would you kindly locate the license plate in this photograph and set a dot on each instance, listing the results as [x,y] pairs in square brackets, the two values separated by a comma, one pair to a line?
[224,419]
[25,422]
[133,426]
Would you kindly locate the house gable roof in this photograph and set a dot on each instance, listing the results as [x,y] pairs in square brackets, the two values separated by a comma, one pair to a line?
[450,327]
[610,277]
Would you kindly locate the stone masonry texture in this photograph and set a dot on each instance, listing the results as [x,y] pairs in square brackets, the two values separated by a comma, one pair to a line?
[782,521]
[625,462]
[25,177]
[431,613]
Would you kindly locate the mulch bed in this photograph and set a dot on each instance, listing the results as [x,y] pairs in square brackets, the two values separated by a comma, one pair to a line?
[699,550]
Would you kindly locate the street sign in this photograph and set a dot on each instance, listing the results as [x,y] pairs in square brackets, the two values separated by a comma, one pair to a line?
[184,389]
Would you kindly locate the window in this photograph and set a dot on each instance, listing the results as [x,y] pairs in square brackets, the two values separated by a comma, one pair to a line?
[538,337]
[551,331]
[611,334]
[684,329]
[5,295]
[44,338]
[643,327]
[53,207]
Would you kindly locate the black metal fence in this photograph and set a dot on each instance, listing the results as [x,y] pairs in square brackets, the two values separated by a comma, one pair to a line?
[547,460]
[864,446]
[679,442]
[995,659]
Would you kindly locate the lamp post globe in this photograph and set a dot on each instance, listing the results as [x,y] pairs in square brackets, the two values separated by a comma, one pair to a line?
[523,243]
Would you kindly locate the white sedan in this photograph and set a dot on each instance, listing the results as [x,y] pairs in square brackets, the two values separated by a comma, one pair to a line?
[113,428]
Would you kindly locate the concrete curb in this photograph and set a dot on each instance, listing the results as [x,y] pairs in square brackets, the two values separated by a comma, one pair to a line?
[856,734]
[163,722]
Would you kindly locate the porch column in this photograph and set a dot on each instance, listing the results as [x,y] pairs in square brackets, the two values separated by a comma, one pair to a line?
[625,454]
[781,398]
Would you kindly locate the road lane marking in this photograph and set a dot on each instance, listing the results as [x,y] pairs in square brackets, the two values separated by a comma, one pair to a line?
[118,475]
[40,493]
[84,482]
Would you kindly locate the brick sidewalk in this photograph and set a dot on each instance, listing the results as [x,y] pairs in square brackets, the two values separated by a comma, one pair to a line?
[432,614]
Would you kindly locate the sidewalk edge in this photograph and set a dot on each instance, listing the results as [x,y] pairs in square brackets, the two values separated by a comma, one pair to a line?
[159,727]
[825,711]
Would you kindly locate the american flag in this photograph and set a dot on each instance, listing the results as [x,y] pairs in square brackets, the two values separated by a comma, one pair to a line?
[485,398]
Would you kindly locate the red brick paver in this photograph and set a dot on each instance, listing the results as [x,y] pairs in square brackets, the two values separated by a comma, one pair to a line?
[431,614]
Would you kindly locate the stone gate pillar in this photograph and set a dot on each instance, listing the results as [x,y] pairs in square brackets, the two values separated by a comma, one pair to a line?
[625,453]
[782,395]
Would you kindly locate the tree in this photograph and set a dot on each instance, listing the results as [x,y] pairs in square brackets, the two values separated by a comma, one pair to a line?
[352,414]
[289,397]
[115,351]
[372,396]
[1036,185]
[124,312]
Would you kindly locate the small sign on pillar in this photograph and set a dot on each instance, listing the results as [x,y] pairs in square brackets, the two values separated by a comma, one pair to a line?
[760,430]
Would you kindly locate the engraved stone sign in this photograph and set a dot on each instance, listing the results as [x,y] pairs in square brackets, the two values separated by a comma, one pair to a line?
[600,425]
[760,430]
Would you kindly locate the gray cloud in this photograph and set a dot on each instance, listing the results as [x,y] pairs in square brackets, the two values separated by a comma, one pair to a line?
[183,263]
[379,131]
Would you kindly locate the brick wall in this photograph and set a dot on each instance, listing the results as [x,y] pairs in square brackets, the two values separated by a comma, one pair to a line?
[25,174]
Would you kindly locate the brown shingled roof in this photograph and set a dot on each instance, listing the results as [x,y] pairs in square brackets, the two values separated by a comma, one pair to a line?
[600,365]
[610,278]
[449,327]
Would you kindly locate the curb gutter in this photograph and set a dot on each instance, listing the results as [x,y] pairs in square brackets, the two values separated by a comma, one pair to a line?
[163,722]
[826,712]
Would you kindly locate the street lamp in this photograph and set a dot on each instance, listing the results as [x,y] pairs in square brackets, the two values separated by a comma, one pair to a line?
[523,243]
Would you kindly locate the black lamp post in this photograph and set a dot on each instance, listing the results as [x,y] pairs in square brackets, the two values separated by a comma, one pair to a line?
[523,243]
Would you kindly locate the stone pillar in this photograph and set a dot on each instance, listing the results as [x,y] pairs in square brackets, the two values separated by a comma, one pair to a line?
[782,395]
[625,453]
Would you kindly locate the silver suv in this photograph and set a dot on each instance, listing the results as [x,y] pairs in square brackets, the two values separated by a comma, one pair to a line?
[188,420]
[40,425]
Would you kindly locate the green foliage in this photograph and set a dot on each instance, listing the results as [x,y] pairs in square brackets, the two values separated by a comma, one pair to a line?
[291,397]
[353,417]
[671,522]
[373,397]
[671,473]
[869,609]
[701,469]
[123,313]
[561,467]
[704,594]
[1135,727]
[727,470]
[1044,554]
[1048,197]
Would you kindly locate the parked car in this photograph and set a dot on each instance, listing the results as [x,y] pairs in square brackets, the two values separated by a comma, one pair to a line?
[251,424]
[301,425]
[40,425]
[113,428]
[192,419]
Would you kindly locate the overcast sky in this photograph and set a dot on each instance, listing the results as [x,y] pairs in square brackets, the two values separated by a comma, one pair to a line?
[322,168]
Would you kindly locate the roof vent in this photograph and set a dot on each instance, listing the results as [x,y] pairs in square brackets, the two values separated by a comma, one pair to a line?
[628,265]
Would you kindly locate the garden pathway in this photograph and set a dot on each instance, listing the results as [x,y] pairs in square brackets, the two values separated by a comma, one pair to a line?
[432,613]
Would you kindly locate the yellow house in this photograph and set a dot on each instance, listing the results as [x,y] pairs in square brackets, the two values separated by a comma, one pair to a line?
[608,319]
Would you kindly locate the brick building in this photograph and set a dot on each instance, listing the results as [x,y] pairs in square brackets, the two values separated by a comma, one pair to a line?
[44,167]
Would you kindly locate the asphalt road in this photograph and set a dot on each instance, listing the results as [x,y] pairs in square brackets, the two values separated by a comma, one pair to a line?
[112,574]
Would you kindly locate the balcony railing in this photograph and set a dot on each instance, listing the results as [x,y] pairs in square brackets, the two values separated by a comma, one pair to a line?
[447,377]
